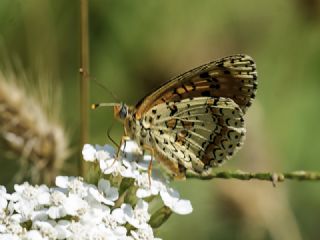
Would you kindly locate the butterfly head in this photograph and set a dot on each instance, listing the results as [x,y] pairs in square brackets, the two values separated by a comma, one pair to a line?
[121,111]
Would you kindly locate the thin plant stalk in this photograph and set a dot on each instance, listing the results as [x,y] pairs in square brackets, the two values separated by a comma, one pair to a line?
[84,80]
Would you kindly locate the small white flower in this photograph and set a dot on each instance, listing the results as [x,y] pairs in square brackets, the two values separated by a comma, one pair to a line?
[102,155]
[171,198]
[9,236]
[14,228]
[4,197]
[74,185]
[25,210]
[127,170]
[3,227]
[109,166]
[105,152]
[106,158]
[147,188]
[39,215]
[145,233]
[46,229]
[77,231]
[113,222]
[94,214]
[29,200]
[56,209]
[102,216]
[105,193]
[98,152]
[33,235]
[133,155]
[119,215]
[127,166]
[75,206]
[10,221]
[133,168]
[101,232]
[117,167]
[89,153]
[137,217]
[62,229]
[131,150]
[33,195]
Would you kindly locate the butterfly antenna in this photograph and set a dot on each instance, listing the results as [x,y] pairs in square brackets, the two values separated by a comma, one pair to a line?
[109,135]
[96,105]
[107,89]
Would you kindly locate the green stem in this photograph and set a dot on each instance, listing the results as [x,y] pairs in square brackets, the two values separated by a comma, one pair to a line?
[130,196]
[264,176]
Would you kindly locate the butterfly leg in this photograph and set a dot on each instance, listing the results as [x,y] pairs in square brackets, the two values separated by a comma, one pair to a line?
[124,139]
[109,135]
[150,149]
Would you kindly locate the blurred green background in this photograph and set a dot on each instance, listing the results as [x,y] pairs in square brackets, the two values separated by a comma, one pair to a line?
[136,45]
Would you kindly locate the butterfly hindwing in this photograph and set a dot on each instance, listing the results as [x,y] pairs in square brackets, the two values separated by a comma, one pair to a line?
[196,133]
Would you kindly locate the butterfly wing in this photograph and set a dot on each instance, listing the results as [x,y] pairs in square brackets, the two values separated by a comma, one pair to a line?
[196,134]
[232,77]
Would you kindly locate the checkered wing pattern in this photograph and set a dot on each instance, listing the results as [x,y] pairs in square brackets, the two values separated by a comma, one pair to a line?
[197,133]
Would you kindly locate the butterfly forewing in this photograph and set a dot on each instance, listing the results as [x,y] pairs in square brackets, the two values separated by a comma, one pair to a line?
[232,77]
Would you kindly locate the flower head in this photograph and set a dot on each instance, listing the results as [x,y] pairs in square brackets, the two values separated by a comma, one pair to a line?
[137,217]
[75,209]
[104,193]
[144,233]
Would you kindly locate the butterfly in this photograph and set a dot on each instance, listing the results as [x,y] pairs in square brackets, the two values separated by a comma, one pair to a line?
[194,122]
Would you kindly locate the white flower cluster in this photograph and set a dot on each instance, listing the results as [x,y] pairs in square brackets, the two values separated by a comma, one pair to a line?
[79,210]
[134,165]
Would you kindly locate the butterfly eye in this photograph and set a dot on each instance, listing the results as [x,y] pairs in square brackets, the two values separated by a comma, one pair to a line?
[123,112]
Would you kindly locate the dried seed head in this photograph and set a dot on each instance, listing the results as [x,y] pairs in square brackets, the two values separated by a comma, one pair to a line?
[29,125]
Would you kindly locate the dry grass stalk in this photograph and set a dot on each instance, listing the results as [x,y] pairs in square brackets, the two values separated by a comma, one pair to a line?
[29,126]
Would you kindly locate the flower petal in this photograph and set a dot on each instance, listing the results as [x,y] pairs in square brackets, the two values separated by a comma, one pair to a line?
[88,153]
[182,207]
